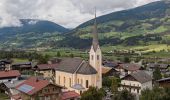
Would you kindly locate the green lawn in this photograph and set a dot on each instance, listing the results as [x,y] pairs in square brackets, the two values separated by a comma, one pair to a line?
[4,96]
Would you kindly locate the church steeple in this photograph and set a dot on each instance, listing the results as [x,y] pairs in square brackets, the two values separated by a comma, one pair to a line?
[95,42]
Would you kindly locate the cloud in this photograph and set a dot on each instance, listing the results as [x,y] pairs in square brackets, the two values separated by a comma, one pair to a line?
[68,13]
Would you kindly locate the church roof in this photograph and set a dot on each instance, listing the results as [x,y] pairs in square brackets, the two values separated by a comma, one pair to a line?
[86,69]
[78,65]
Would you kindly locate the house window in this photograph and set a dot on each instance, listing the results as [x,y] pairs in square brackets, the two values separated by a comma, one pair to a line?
[91,57]
[70,81]
[59,79]
[87,84]
[53,89]
[98,57]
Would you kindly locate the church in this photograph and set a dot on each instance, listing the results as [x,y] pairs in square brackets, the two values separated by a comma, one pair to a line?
[77,74]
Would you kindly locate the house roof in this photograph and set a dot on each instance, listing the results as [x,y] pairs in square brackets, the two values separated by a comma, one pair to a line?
[140,76]
[32,85]
[69,95]
[164,79]
[13,84]
[10,73]
[78,65]
[154,65]
[47,66]
[105,70]
[130,67]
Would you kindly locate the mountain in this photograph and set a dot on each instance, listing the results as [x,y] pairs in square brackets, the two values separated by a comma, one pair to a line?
[33,33]
[143,25]
[152,17]
[34,25]
[137,26]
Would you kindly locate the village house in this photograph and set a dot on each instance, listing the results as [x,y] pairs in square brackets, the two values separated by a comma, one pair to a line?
[78,74]
[136,82]
[127,68]
[9,75]
[163,67]
[5,64]
[24,66]
[9,87]
[165,82]
[47,70]
[34,88]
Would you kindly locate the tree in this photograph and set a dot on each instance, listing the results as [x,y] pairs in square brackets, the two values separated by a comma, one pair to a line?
[124,95]
[126,59]
[114,85]
[93,94]
[157,74]
[71,55]
[155,94]
[58,54]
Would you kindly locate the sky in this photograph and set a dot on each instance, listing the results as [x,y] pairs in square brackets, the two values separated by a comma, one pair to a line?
[68,13]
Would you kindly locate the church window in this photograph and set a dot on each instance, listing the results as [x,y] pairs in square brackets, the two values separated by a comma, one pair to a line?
[87,84]
[64,80]
[78,81]
[91,57]
[70,81]
[81,81]
[98,57]
[59,79]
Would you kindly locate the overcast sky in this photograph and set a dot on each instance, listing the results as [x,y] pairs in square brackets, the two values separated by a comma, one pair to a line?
[68,13]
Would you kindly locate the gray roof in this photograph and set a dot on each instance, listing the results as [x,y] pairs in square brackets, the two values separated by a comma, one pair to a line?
[141,76]
[86,69]
[164,79]
[78,65]
[78,87]
[13,84]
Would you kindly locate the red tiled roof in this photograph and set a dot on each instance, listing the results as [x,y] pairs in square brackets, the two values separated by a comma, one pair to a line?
[37,84]
[10,73]
[69,95]
[47,66]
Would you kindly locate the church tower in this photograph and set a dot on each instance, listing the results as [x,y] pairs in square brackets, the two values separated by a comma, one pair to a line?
[95,55]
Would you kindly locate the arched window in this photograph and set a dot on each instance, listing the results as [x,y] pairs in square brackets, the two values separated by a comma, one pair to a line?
[81,81]
[78,80]
[59,79]
[91,57]
[98,57]
[70,81]
[64,80]
[87,84]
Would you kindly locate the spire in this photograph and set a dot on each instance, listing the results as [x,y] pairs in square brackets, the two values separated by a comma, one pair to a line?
[95,35]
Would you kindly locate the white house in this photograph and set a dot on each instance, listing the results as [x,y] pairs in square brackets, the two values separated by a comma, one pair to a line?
[9,75]
[136,82]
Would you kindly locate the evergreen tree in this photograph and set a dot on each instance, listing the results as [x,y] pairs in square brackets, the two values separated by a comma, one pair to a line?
[58,54]
[157,74]
[93,94]
[124,95]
